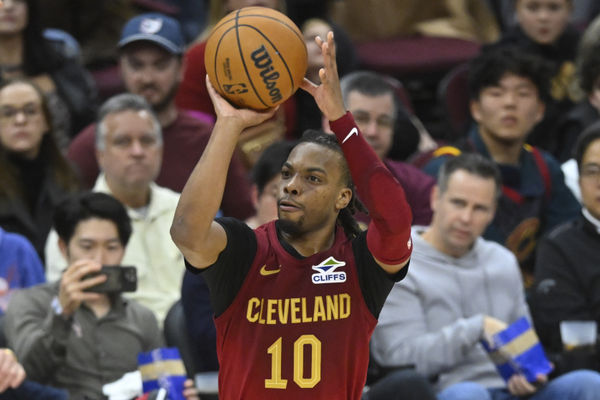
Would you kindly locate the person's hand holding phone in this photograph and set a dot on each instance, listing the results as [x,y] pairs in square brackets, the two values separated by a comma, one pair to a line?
[74,282]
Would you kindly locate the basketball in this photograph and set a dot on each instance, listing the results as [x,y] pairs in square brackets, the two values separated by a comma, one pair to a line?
[255,57]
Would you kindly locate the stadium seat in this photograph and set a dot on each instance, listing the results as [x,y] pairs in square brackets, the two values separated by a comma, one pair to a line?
[415,56]
[176,335]
[453,95]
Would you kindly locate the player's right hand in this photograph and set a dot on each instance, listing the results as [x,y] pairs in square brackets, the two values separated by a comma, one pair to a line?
[244,117]
[72,285]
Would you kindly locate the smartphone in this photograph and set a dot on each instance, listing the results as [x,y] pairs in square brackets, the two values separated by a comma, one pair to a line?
[119,278]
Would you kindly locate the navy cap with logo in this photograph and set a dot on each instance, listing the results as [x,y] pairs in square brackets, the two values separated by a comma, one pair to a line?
[154,27]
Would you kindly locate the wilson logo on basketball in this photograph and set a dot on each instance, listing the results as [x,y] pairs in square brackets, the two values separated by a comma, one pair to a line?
[262,61]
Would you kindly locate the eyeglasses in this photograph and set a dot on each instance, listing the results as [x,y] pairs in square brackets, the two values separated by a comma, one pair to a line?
[30,110]
[591,172]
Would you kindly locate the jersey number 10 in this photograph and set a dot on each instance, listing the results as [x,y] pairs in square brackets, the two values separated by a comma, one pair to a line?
[275,350]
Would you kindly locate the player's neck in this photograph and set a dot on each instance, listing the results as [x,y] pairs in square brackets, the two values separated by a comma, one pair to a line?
[309,243]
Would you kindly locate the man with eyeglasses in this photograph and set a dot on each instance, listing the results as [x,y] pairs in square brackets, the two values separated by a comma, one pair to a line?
[375,107]
[567,273]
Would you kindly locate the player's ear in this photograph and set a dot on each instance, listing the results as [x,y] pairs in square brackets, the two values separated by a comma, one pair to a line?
[344,198]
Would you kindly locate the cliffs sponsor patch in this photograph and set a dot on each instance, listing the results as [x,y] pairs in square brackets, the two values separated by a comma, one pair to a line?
[326,272]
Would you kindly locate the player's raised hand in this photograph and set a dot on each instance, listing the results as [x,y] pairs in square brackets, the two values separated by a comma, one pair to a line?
[327,95]
[244,116]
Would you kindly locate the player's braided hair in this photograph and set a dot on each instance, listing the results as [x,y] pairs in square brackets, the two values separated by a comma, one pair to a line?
[346,216]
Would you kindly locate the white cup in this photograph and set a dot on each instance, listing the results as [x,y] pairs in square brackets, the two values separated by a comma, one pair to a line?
[578,333]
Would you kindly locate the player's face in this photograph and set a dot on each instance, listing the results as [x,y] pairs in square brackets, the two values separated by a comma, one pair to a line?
[589,179]
[95,239]
[543,20]
[22,120]
[507,112]
[13,16]
[132,153]
[375,117]
[462,212]
[151,72]
[311,191]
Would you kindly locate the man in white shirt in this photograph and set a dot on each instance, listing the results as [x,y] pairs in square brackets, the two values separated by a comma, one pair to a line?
[129,152]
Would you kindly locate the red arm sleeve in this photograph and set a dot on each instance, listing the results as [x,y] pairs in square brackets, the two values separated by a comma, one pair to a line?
[388,236]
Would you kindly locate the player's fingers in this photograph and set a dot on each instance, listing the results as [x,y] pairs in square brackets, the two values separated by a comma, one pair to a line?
[322,75]
[256,117]
[212,93]
[319,41]
[331,44]
[308,86]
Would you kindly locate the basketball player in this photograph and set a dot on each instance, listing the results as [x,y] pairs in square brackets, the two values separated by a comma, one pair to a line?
[296,300]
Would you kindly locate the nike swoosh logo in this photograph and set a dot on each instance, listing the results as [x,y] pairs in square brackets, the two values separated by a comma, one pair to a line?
[266,272]
[354,131]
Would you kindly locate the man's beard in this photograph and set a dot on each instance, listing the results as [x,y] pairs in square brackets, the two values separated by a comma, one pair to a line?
[165,102]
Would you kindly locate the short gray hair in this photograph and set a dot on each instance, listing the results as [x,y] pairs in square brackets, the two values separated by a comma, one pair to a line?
[120,103]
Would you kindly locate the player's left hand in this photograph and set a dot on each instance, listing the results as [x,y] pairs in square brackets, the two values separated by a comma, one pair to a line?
[327,95]
[519,386]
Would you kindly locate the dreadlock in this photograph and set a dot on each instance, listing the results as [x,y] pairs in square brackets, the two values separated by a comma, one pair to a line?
[346,216]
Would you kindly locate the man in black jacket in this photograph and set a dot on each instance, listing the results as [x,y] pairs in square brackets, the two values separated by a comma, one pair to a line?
[567,277]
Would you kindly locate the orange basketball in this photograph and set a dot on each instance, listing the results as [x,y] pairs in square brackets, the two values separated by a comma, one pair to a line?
[255,57]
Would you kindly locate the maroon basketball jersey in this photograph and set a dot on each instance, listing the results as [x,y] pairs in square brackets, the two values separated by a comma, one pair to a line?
[298,328]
